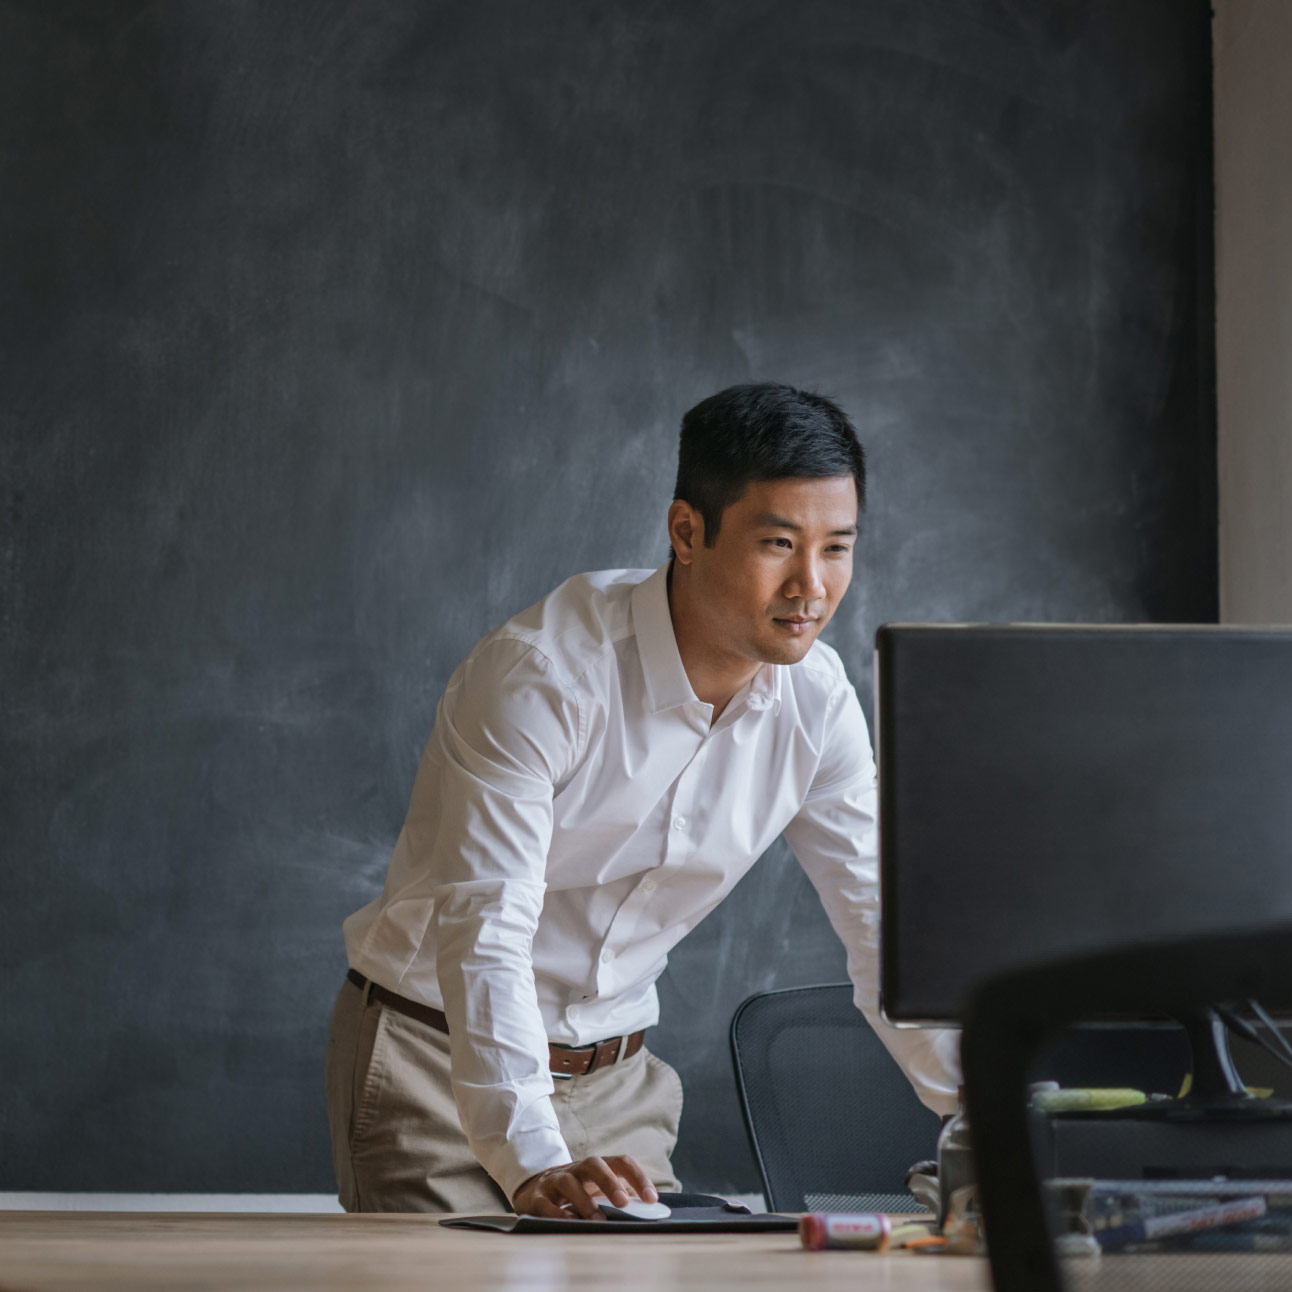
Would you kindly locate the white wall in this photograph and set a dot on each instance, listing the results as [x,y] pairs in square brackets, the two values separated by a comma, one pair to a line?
[1253,116]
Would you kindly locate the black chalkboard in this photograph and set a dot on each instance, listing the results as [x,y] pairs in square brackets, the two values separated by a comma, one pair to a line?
[331,335]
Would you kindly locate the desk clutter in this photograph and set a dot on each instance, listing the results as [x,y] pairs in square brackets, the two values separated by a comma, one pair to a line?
[1107,1217]
[1163,1209]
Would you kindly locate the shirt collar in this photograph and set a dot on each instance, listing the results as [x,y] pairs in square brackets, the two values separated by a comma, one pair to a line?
[667,685]
[765,689]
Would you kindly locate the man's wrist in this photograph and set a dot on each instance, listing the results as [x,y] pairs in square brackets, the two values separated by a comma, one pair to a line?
[519,1160]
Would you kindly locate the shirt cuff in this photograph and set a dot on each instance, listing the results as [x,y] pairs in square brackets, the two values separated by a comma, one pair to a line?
[513,1161]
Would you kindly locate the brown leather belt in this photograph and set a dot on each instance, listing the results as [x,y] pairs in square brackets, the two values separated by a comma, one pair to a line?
[565,1060]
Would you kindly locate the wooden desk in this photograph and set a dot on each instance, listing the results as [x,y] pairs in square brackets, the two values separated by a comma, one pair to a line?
[42,1250]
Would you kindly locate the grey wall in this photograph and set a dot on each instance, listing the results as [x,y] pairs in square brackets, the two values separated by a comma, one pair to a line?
[1253,116]
[334,334]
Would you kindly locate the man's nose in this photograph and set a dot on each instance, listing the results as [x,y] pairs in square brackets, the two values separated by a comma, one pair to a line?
[805,582]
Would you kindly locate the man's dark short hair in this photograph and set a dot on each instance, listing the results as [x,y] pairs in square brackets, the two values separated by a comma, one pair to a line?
[761,432]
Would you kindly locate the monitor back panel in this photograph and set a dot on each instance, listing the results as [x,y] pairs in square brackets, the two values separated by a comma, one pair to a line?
[1052,790]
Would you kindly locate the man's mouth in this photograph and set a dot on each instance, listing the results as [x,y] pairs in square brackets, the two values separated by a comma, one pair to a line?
[796,624]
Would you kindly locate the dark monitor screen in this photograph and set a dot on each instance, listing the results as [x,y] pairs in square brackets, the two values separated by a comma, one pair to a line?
[1050,790]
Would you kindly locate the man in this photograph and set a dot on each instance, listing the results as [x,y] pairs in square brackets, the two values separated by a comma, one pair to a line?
[603,768]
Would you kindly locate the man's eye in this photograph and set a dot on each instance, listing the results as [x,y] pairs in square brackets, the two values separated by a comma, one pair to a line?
[779,542]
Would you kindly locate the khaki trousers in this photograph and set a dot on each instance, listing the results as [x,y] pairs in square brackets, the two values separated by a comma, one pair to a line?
[397,1143]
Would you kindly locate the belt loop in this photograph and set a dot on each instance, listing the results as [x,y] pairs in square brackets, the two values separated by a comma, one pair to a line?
[620,1048]
[364,984]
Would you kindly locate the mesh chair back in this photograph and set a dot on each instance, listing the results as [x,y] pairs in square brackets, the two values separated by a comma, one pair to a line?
[832,1119]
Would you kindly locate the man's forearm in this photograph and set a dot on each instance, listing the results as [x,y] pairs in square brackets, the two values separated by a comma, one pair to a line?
[501,1077]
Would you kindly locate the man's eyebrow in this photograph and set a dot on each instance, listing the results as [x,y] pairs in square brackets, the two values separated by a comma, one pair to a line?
[769,520]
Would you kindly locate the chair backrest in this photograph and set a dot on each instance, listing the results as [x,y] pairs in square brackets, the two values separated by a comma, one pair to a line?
[832,1119]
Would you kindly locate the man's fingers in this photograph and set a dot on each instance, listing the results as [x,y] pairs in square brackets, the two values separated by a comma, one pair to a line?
[546,1208]
[597,1176]
[635,1175]
[568,1187]
[562,1191]
[555,1194]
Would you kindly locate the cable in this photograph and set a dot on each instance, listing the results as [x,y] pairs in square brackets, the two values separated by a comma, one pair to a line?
[1275,1031]
[1235,1023]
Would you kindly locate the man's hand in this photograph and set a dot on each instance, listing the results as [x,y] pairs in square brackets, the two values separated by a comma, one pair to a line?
[565,1191]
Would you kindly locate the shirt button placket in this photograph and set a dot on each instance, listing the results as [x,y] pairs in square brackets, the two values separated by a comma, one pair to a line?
[675,838]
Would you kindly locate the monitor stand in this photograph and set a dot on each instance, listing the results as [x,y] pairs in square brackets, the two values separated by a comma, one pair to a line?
[1217,1129]
[1216,1092]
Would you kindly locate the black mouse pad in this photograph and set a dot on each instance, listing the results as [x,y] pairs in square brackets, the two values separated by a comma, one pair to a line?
[692,1212]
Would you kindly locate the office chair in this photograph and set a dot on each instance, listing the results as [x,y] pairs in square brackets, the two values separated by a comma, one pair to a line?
[832,1120]
[1009,1018]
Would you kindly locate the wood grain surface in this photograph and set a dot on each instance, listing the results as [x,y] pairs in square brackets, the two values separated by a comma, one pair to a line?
[48,1251]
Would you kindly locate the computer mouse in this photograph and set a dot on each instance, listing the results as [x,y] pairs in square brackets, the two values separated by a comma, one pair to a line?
[634,1209]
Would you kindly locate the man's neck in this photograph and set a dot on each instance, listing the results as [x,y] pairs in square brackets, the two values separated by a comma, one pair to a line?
[715,675]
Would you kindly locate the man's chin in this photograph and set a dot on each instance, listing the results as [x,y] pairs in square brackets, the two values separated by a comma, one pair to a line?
[788,651]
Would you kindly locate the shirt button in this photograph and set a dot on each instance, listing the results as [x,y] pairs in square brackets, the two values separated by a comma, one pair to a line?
[648,885]
[572,1012]
[679,822]
[607,957]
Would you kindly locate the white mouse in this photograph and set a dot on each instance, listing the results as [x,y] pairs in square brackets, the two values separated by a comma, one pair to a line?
[634,1209]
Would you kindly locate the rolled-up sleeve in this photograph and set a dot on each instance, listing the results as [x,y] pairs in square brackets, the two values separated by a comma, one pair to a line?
[835,837]
[480,822]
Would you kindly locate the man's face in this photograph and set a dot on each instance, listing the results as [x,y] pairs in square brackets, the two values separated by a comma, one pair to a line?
[780,565]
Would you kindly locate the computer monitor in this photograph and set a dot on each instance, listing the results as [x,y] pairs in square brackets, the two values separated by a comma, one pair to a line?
[1048,790]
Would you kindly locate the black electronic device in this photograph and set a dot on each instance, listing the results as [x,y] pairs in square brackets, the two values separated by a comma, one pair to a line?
[1051,791]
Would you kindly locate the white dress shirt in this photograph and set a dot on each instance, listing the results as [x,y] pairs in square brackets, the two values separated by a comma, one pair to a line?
[575,814]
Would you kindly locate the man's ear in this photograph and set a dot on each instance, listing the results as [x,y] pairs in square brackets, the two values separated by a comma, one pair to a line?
[685,530]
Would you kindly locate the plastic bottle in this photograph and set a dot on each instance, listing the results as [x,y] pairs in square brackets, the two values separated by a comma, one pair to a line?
[955,1160]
